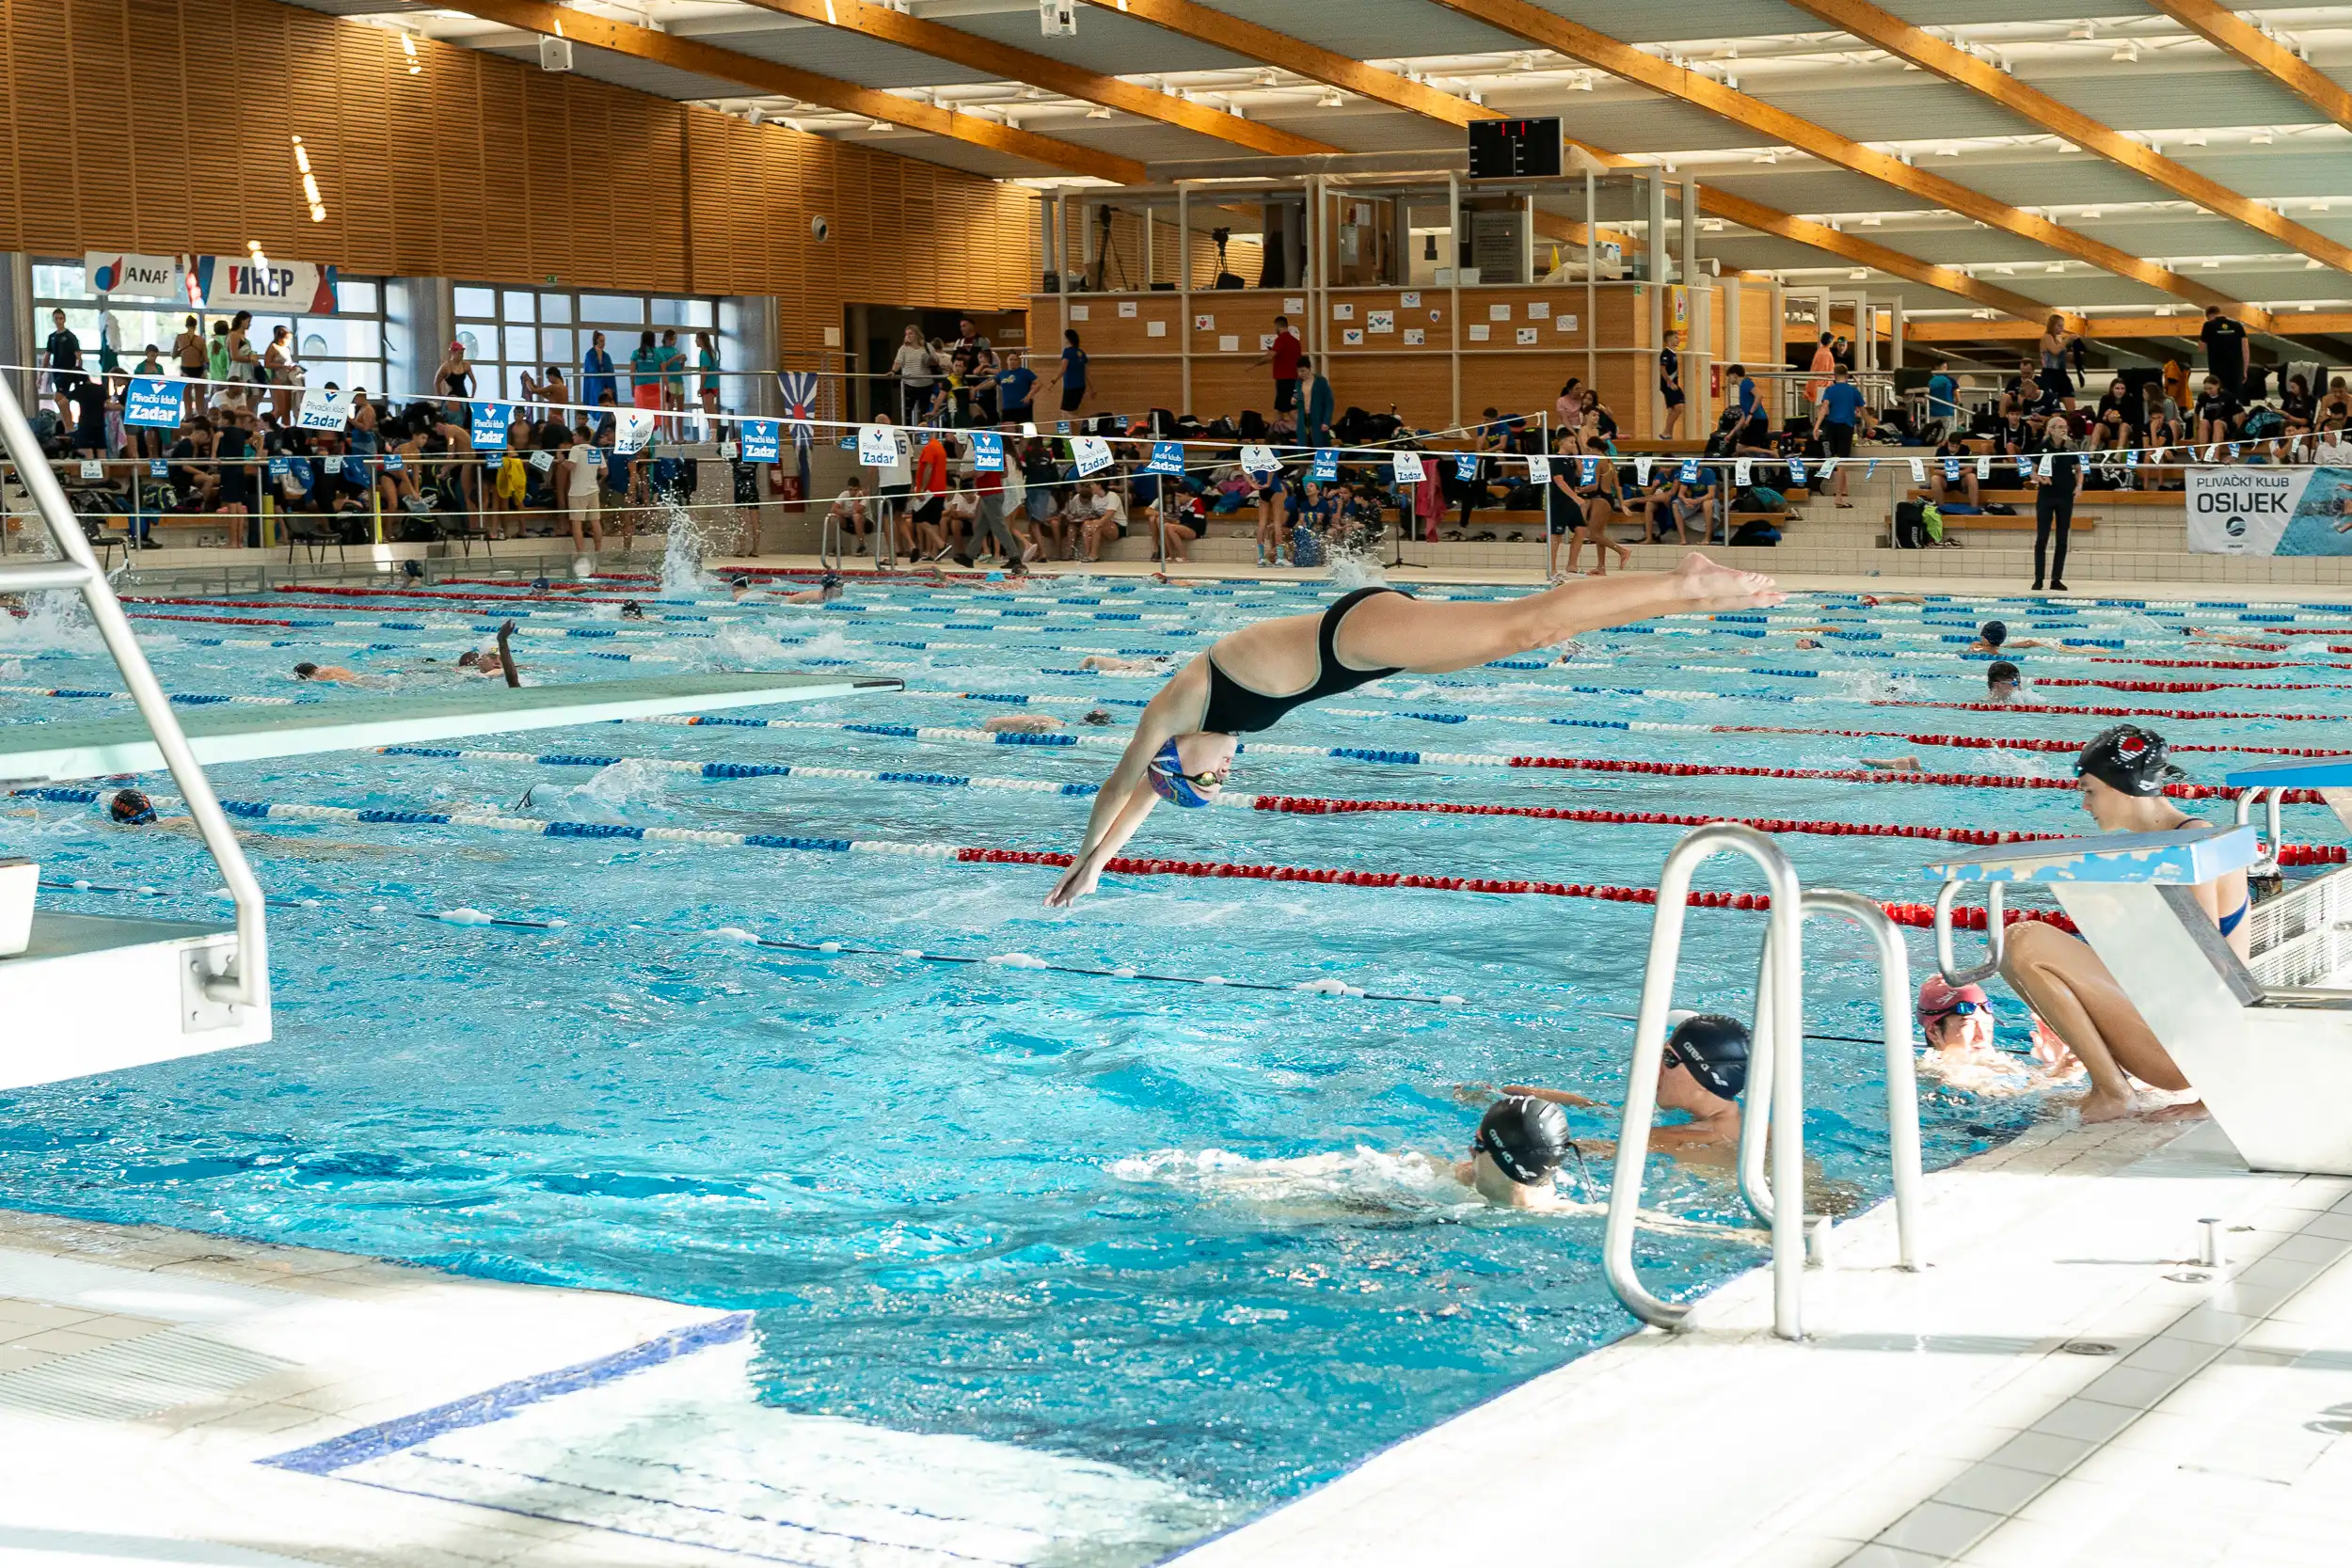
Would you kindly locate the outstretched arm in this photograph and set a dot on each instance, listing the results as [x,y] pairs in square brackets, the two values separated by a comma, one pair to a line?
[1126,797]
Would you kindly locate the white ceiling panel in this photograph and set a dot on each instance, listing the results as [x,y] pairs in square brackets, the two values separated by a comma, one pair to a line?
[1106,42]
[1368,29]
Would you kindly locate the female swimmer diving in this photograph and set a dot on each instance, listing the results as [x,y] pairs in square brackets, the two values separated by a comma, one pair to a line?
[1184,741]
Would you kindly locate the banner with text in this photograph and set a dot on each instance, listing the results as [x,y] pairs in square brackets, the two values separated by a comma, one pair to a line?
[223,281]
[122,275]
[2270,511]
[151,400]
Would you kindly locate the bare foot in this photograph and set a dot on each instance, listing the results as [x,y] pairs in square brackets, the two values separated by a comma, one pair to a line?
[2100,1106]
[1711,587]
[2187,1110]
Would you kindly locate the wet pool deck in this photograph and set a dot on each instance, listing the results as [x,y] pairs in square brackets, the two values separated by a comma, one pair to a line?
[2063,1384]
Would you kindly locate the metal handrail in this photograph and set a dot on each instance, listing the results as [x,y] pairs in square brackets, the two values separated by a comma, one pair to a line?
[2271,842]
[1779,981]
[246,982]
[1948,965]
[1903,1090]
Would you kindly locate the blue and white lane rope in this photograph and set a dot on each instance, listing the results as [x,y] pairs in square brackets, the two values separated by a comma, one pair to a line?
[721,770]
[466,915]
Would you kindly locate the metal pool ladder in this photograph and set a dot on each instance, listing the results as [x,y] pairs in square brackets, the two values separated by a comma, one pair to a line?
[1772,1122]
[244,982]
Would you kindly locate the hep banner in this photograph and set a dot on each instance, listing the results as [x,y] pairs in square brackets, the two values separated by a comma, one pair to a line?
[225,281]
[2269,510]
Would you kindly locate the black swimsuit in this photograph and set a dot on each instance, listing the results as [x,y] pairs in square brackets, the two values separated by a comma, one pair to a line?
[1236,709]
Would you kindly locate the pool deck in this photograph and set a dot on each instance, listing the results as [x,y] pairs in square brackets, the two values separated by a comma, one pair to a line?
[2062,1384]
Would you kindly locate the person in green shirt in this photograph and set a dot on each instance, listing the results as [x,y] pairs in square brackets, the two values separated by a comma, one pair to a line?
[674,371]
[644,373]
[706,360]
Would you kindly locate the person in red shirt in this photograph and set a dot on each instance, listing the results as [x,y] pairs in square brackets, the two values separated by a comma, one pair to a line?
[930,497]
[1284,356]
[988,525]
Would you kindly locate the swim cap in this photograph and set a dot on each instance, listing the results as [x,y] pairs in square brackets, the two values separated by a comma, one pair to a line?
[739,584]
[304,672]
[2128,758]
[1525,1137]
[633,610]
[131,808]
[2001,669]
[1715,1050]
[1170,781]
[1938,996]
[1994,632]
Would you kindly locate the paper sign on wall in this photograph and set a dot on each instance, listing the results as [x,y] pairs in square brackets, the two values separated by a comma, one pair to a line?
[1265,340]
[323,410]
[729,450]
[1229,343]
[1080,313]
[877,446]
[151,400]
[633,427]
[1498,312]
[1409,300]
[1480,332]
[1126,309]
[1415,337]
[1743,470]
[1528,335]
[1563,324]
[1919,470]
[1205,324]
[1407,466]
[1796,470]
[92,468]
[1984,468]
[1641,469]
[1352,336]
[1342,312]
[1538,469]
[1381,321]
[763,441]
[1293,302]
[1156,329]
[1092,452]
[1588,471]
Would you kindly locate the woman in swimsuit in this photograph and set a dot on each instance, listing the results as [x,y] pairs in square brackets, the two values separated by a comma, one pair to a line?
[1184,741]
[2124,772]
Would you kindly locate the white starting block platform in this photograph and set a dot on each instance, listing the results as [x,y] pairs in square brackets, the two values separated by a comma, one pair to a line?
[2272,1061]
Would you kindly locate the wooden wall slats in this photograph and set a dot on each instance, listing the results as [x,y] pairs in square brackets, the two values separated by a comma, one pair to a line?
[162,126]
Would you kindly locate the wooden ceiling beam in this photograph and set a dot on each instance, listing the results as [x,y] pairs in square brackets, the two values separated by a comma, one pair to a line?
[1549,30]
[2232,34]
[1904,41]
[1023,64]
[1225,31]
[2283,325]
[706,59]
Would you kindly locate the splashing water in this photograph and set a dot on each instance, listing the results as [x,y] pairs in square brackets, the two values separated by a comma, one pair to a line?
[682,550]
[1359,567]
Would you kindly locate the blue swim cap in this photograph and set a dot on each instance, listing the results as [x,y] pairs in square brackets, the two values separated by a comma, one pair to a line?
[1170,781]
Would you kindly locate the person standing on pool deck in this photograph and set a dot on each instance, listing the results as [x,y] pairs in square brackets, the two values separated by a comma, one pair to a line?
[1284,356]
[2124,774]
[1840,415]
[1245,682]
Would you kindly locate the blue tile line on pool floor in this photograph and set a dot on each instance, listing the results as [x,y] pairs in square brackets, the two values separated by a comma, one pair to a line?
[496,1405]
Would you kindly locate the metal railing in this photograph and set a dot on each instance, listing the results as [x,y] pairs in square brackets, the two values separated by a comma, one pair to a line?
[1948,965]
[246,981]
[1771,1122]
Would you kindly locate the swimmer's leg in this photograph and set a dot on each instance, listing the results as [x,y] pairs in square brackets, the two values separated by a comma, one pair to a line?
[2063,979]
[1433,638]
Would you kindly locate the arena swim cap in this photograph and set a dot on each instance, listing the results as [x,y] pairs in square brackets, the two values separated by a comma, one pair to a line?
[2127,758]
[1525,1137]
[1170,781]
[1715,1050]
[131,808]
[1994,632]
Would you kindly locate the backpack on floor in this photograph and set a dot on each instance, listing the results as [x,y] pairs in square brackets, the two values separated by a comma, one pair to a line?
[1931,519]
[1757,531]
[1910,527]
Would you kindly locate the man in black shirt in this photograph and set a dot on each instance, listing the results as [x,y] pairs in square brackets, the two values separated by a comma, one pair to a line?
[89,418]
[63,355]
[2225,349]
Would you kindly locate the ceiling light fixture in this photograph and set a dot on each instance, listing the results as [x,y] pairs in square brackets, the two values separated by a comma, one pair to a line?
[2055,266]
[878,125]
[2262,137]
[1873,221]
[1332,98]
[1099,111]
[2091,212]
[1948,150]
[2127,52]
[1859,275]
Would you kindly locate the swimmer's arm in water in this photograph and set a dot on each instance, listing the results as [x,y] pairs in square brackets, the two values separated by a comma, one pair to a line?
[1558,1097]
[1127,799]
[1892,765]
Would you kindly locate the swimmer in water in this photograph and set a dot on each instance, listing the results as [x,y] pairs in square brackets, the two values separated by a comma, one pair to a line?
[2124,772]
[2229,639]
[828,588]
[1994,636]
[1958,1047]
[1111,664]
[633,610]
[1184,741]
[1097,716]
[742,589]
[131,808]
[1023,723]
[482,661]
[1520,1142]
[1701,1073]
[2003,685]
[1893,765]
[331,672]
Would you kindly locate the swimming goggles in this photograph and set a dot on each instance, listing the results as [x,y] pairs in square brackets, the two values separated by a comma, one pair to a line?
[1959,1009]
[1171,782]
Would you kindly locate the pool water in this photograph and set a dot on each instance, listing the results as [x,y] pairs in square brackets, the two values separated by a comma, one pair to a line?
[1188,1229]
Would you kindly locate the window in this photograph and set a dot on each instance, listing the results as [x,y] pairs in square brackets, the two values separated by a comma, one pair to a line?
[345,346]
[509,332]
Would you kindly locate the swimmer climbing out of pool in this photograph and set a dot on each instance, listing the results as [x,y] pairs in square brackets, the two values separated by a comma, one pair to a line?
[1247,680]
[2124,772]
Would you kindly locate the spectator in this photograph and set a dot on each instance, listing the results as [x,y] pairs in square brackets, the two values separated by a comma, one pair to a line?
[189,350]
[581,482]
[455,376]
[644,373]
[915,372]
[1319,410]
[930,496]
[1072,375]
[239,488]
[846,518]
[1014,384]
[1836,422]
[553,389]
[278,370]
[597,384]
[1824,365]
[2225,351]
[1284,356]
[1670,382]
[707,361]
[87,401]
[2054,499]
[1041,480]
[2216,413]
[1943,395]
[2057,387]
[1954,449]
[63,356]
[1097,516]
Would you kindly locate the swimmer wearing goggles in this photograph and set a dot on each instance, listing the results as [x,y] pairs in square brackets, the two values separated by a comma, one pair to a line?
[1701,1074]
[1248,680]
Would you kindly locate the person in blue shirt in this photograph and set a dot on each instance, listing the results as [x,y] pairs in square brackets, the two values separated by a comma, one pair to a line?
[595,375]
[1015,386]
[1072,375]
[1943,394]
[1839,415]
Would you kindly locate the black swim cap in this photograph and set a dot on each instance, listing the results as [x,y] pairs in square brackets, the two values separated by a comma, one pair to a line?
[304,672]
[1994,632]
[2002,670]
[131,808]
[633,610]
[1714,1049]
[2130,759]
[1525,1137]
